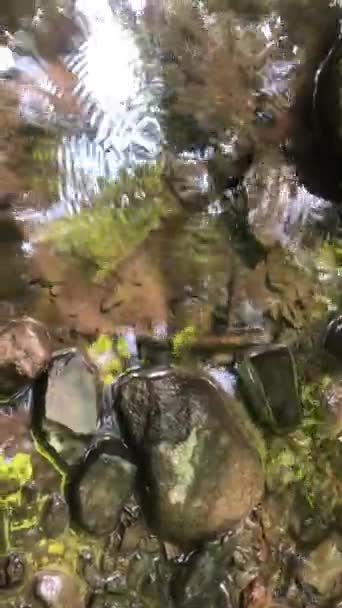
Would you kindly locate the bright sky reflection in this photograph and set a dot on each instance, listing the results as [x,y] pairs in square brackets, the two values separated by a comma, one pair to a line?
[112,56]
[118,108]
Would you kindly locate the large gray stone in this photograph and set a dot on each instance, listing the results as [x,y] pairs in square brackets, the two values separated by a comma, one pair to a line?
[66,407]
[71,397]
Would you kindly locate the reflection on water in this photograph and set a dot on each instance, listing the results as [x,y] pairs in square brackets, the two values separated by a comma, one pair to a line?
[206,97]
[119,116]
[118,123]
[169,191]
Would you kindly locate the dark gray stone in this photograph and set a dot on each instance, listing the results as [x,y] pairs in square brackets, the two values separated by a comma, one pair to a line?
[102,488]
[269,383]
[55,516]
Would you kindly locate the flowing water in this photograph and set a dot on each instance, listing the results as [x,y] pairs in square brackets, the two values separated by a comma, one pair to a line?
[170,168]
[215,99]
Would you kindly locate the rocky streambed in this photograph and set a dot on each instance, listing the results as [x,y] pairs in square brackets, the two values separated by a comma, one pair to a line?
[170,279]
[172,486]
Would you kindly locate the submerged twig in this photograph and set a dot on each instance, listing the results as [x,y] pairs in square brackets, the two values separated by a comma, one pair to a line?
[231,340]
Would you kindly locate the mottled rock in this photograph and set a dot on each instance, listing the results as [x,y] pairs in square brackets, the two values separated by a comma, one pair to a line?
[55,516]
[100,490]
[269,382]
[200,474]
[58,590]
[203,582]
[323,567]
[25,350]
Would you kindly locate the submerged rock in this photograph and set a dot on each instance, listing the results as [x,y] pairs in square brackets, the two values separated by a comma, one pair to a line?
[99,492]
[66,406]
[269,381]
[323,567]
[202,582]
[55,516]
[25,350]
[12,571]
[200,475]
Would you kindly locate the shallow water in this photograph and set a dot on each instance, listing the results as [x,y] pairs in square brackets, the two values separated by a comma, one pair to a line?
[210,95]
[167,166]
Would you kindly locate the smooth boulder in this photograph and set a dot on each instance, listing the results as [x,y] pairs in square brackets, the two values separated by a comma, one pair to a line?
[200,474]
[101,487]
[25,350]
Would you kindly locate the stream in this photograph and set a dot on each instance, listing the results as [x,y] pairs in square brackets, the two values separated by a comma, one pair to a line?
[170,301]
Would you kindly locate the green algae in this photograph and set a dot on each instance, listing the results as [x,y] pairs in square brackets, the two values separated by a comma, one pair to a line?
[119,220]
[14,472]
[310,458]
[110,356]
[182,340]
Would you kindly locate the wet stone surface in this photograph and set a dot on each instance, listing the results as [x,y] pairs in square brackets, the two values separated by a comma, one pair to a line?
[323,566]
[71,396]
[192,584]
[194,456]
[191,200]
[66,405]
[54,516]
[261,377]
[25,350]
[102,487]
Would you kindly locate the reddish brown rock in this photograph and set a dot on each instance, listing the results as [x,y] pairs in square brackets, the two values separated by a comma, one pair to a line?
[58,590]
[25,350]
